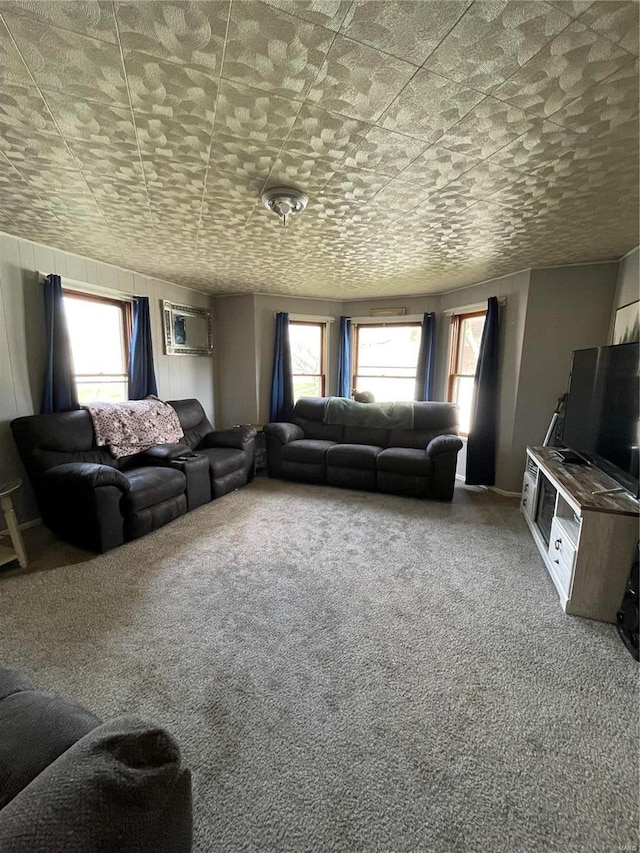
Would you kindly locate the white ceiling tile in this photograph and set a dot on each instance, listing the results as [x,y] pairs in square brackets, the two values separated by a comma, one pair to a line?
[487,128]
[571,64]
[60,59]
[90,121]
[252,114]
[616,19]
[359,81]
[385,152]
[93,18]
[607,108]
[158,164]
[187,33]
[428,106]
[409,30]
[241,156]
[436,167]
[327,13]
[172,91]
[271,50]
[318,133]
[493,39]
[23,108]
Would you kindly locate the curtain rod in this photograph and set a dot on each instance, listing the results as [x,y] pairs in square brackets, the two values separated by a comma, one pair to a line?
[476,306]
[89,287]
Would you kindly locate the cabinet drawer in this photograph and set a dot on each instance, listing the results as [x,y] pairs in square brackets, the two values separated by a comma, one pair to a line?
[562,553]
[527,499]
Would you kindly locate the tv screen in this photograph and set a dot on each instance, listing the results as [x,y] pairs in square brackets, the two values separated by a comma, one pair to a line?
[601,419]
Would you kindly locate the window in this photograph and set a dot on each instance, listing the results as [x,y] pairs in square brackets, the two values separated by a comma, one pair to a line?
[386,359]
[99,330]
[308,358]
[466,335]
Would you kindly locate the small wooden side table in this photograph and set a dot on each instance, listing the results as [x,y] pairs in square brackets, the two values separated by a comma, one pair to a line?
[6,505]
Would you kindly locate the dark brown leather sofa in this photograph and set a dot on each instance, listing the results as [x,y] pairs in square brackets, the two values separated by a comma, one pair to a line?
[93,500]
[417,460]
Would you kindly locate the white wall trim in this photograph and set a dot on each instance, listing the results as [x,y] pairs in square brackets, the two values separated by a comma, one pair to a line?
[626,254]
[309,318]
[91,289]
[467,309]
[503,492]
[386,321]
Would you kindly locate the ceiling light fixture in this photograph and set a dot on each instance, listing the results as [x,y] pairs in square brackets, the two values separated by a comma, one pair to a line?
[284,202]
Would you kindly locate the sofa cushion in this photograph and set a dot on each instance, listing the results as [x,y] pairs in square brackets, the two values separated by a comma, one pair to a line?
[35,729]
[306,450]
[121,787]
[359,456]
[366,435]
[319,431]
[223,460]
[152,485]
[417,439]
[404,460]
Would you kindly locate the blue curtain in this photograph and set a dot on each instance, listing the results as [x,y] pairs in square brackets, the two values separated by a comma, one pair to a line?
[281,408]
[426,359]
[142,377]
[59,392]
[344,358]
[481,445]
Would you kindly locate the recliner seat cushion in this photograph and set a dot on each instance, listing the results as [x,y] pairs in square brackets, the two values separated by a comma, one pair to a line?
[359,456]
[152,485]
[366,435]
[404,460]
[223,460]
[307,450]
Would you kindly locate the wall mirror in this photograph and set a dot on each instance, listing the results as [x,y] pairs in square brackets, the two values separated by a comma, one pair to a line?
[187,330]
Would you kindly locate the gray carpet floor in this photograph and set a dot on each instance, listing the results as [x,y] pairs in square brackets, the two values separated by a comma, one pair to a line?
[348,671]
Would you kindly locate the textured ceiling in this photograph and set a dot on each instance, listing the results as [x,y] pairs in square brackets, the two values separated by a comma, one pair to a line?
[440,142]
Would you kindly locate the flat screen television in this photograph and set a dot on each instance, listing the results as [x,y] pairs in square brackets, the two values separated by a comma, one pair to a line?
[601,419]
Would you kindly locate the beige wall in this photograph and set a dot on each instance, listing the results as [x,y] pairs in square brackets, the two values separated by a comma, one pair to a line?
[22,338]
[236,389]
[628,281]
[545,314]
[266,308]
[568,308]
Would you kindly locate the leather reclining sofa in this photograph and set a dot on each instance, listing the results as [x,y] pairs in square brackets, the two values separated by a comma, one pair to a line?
[419,460]
[91,499]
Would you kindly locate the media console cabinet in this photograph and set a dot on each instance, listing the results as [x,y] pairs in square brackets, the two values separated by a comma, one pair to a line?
[585,532]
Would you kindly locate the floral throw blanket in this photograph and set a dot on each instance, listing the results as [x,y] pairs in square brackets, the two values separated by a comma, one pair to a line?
[134,426]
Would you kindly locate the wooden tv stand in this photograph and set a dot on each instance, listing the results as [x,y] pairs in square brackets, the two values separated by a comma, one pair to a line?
[592,536]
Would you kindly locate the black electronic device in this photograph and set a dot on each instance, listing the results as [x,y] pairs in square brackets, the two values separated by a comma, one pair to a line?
[627,617]
[602,419]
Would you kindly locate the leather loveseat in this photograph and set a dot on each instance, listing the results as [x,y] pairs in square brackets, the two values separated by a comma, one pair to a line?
[408,451]
[89,498]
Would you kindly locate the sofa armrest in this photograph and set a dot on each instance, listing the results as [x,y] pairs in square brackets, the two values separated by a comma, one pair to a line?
[237,438]
[120,787]
[163,453]
[85,474]
[81,502]
[443,444]
[284,432]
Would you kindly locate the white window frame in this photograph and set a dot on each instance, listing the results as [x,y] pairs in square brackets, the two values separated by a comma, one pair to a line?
[124,304]
[323,322]
[457,318]
[400,320]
